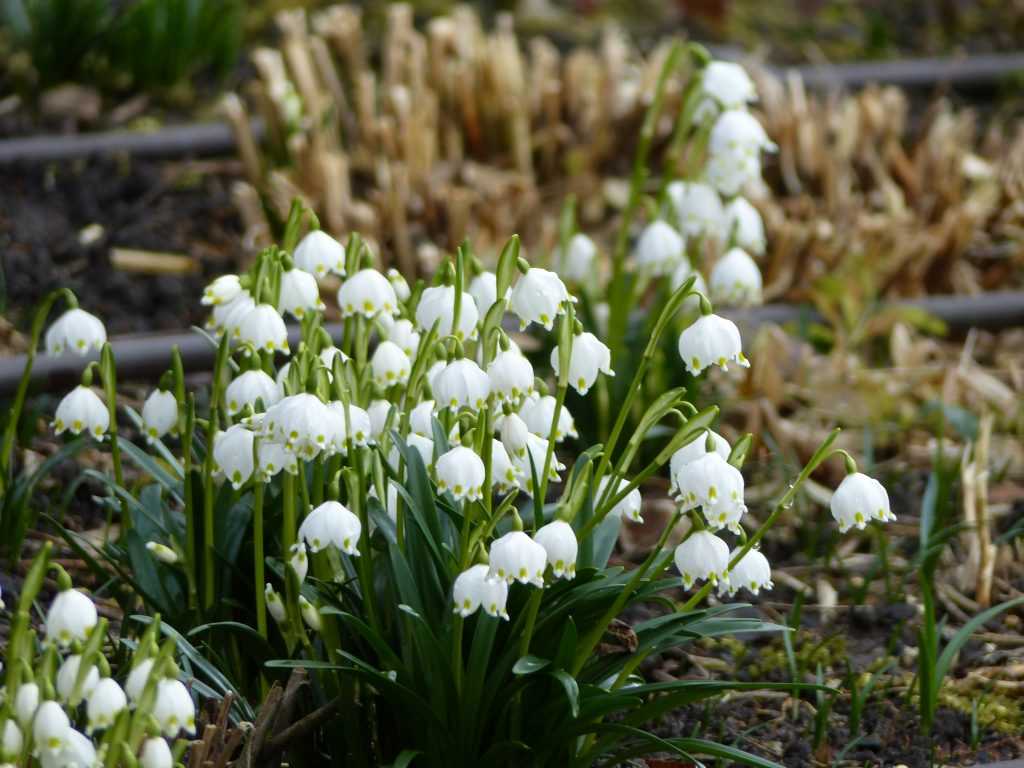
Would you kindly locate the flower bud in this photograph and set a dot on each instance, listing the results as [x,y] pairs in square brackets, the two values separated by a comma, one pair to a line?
[310,614]
[275,605]
[298,561]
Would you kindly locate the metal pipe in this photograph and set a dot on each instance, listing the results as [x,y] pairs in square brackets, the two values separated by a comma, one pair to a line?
[147,356]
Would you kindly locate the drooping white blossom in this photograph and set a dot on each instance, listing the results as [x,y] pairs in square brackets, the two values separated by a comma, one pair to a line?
[173,709]
[711,340]
[753,573]
[461,384]
[233,454]
[745,225]
[858,500]
[80,411]
[473,589]
[331,523]
[579,260]
[539,296]
[698,209]
[299,294]
[367,293]
[221,291]
[390,365]
[630,505]
[106,701]
[736,279]
[538,413]
[461,472]
[437,305]
[511,375]
[76,330]
[71,616]
[318,253]
[517,557]
[702,556]
[559,541]
[589,357]
[159,414]
[263,328]
[659,249]
[249,387]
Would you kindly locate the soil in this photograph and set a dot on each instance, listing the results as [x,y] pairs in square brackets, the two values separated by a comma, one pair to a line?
[59,222]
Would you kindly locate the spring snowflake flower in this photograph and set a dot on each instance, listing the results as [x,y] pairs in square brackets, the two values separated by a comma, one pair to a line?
[106,702]
[539,296]
[698,209]
[135,684]
[734,151]
[82,410]
[589,357]
[331,523]
[462,384]
[378,411]
[746,226]
[72,616]
[736,279]
[753,572]
[437,305]
[694,450]
[298,561]
[629,507]
[26,702]
[272,457]
[578,261]
[461,472]
[249,387]
[319,253]
[729,84]
[857,500]
[173,708]
[367,293]
[50,728]
[299,294]
[702,556]
[711,340]
[263,328]
[310,614]
[302,423]
[659,249]
[559,541]
[78,752]
[159,414]
[68,674]
[473,589]
[424,446]
[353,424]
[398,282]
[12,741]
[517,557]
[536,449]
[233,454]
[505,475]
[515,435]
[714,485]
[76,330]
[511,376]
[275,605]
[538,414]
[421,418]
[390,365]
[156,754]
[403,333]
[484,290]
[223,290]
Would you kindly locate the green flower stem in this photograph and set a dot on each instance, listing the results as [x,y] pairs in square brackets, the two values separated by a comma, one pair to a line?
[19,640]
[457,627]
[620,288]
[532,609]
[216,387]
[109,375]
[784,502]
[190,510]
[365,566]
[590,641]
[289,527]
[258,558]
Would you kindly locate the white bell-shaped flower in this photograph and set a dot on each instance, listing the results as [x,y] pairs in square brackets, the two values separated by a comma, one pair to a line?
[517,557]
[659,249]
[272,458]
[298,561]
[424,447]
[590,356]
[536,449]
[753,572]
[78,752]
[745,225]
[559,541]
[694,450]
[702,556]
[50,728]
[72,616]
[352,423]
[421,418]
[630,505]
[327,355]
[737,132]
[26,702]
[711,340]
[736,279]
[728,83]
[473,589]
[404,334]
[173,708]
[318,253]
[538,413]
[367,293]
[263,328]
[390,365]
[698,209]
[156,754]
[331,523]
[162,552]
[233,454]
[514,434]
[80,411]
[159,414]
[578,261]
[222,290]
[302,423]
[716,486]
[68,674]
[505,475]
[310,614]
[227,317]
[249,387]
[461,472]
[378,411]
[511,376]
[462,384]
[299,294]
[437,305]
[76,330]
[12,741]
[484,290]
[106,702]
[859,499]
[275,605]
[136,681]
[539,296]
[399,283]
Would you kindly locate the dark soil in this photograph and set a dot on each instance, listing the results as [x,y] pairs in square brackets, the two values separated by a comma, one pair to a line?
[170,207]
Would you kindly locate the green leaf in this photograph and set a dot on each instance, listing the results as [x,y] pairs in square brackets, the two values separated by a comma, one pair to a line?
[964,634]
[571,688]
[405,758]
[527,665]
